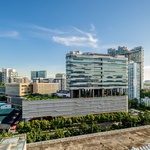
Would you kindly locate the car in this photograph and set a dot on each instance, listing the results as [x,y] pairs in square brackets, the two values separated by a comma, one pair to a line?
[64,94]
[16,122]
[13,127]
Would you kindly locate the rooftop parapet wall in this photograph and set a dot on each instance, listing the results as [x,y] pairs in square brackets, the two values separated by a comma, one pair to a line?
[74,106]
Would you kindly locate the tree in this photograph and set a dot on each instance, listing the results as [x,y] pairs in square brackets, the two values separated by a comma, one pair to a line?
[68,122]
[143,106]
[133,103]
[31,137]
[144,93]
[126,121]
[20,127]
[144,118]
[39,136]
[35,124]
[68,133]
[59,133]
[84,128]
[45,137]
[2,84]
[5,133]
[89,118]
[74,131]
[45,124]
[129,103]
[27,127]
[95,128]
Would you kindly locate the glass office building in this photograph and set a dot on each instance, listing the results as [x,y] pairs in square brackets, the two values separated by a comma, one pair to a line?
[38,74]
[96,72]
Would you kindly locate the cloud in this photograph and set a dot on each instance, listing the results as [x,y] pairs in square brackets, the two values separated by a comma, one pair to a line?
[146,72]
[73,41]
[54,31]
[70,37]
[11,34]
[92,27]
[78,38]
[146,67]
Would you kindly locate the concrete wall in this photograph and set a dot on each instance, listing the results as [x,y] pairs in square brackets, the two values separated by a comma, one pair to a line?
[74,107]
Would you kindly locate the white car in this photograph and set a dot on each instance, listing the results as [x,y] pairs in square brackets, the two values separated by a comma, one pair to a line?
[63,94]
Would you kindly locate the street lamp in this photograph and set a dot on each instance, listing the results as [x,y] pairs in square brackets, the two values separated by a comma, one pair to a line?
[132,140]
[102,145]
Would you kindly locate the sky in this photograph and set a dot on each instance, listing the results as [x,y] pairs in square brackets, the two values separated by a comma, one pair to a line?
[37,34]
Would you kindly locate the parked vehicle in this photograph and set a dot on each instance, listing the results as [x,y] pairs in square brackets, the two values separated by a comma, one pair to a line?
[13,127]
[16,122]
[63,94]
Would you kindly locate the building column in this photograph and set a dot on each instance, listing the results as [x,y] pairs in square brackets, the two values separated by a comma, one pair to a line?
[98,92]
[102,92]
[93,92]
[110,92]
[79,93]
[120,91]
[115,91]
[71,93]
[107,92]
[124,91]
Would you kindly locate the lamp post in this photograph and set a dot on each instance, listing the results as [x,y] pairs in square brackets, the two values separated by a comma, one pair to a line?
[102,145]
[132,140]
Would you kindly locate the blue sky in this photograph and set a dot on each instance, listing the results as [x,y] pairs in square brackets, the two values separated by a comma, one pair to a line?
[37,34]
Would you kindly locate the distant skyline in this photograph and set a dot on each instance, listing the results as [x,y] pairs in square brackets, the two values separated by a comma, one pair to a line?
[36,35]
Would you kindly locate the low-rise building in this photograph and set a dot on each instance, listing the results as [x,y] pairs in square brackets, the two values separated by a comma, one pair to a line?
[146,100]
[45,88]
[23,89]
[18,89]
[147,82]
[5,106]
[43,80]
[21,80]
[2,90]
[70,107]
[61,79]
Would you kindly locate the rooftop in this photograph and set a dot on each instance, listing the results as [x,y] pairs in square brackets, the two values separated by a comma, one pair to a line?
[1,104]
[13,143]
[86,53]
[6,111]
[2,118]
[111,140]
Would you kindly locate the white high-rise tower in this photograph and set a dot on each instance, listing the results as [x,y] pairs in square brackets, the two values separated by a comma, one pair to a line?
[8,75]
